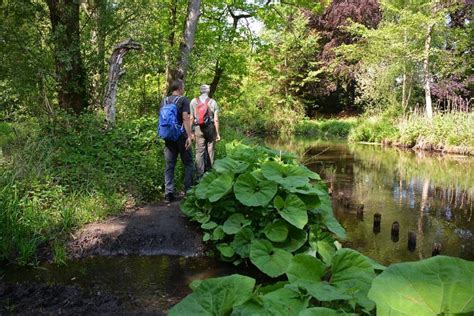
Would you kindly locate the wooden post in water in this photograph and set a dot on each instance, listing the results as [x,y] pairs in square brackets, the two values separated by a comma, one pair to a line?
[395,232]
[436,249]
[377,220]
[411,241]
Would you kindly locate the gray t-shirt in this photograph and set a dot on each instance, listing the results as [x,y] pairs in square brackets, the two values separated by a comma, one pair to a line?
[213,107]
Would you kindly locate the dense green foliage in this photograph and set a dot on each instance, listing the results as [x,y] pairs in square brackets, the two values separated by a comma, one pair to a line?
[262,205]
[67,172]
[348,284]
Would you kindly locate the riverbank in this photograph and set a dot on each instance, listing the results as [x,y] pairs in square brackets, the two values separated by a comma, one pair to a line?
[447,133]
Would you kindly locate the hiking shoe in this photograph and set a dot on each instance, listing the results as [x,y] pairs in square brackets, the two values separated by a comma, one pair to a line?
[168,198]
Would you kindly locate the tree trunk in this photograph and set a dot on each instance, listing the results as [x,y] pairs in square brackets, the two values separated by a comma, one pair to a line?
[97,11]
[426,72]
[186,46]
[70,72]
[115,72]
[218,72]
[173,8]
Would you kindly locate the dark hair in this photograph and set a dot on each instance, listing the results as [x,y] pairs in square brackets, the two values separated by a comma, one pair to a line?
[176,85]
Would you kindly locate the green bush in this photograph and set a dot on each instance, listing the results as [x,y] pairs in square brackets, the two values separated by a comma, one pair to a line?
[326,128]
[262,205]
[374,129]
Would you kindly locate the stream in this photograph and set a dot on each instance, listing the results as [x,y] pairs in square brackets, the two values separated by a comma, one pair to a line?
[429,194]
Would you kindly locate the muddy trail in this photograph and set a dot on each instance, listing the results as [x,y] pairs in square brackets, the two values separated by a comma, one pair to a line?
[150,231]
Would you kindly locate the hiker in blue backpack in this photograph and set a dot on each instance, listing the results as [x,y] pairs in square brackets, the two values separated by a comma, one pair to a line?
[174,126]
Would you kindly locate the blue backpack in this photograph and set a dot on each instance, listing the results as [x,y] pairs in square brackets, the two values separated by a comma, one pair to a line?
[168,126]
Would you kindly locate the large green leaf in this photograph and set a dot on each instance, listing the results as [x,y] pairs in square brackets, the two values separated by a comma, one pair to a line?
[322,311]
[251,192]
[296,239]
[439,285]
[280,302]
[225,249]
[188,207]
[289,176]
[284,302]
[322,291]
[229,164]
[215,296]
[242,241]
[220,186]
[325,209]
[294,211]
[218,233]
[352,273]
[326,250]
[272,261]
[203,186]
[209,225]
[242,152]
[276,231]
[305,267]
[235,223]
[310,174]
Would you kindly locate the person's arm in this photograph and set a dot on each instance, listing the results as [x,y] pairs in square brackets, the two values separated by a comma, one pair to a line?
[216,122]
[187,123]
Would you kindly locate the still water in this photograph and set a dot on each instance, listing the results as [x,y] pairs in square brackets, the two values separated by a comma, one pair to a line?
[143,285]
[429,194]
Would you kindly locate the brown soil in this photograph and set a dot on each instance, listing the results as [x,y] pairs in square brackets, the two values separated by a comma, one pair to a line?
[154,229]
[41,299]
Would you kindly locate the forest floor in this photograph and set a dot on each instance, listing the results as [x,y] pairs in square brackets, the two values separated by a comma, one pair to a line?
[153,229]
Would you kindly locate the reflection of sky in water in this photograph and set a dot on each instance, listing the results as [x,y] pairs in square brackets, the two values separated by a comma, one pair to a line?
[427,194]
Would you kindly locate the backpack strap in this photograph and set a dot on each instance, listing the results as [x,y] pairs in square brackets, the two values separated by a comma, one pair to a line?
[167,100]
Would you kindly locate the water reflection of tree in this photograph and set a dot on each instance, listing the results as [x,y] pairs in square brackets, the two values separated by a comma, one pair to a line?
[438,189]
[424,207]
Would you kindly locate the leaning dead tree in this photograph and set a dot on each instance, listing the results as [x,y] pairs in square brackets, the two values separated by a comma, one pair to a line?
[115,72]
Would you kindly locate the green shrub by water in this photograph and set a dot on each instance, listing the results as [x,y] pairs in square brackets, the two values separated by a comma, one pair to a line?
[261,206]
[326,128]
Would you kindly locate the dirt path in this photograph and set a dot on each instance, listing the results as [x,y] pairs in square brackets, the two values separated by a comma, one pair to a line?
[154,229]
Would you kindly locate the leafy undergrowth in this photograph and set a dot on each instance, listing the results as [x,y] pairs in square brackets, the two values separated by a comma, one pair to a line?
[450,132]
[348,285]
[261,205]
[69,172]
[326,128]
